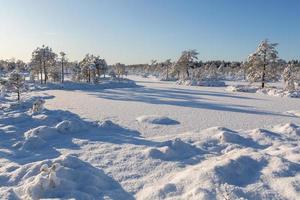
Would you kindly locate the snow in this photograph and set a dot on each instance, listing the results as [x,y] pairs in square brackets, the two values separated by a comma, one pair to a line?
[153,119]
[242,88]
[65,177]
[268,91]
[246,171]
[117,143]
[174,150]
[103,84]
[294,112]
[208,83]
[279,92]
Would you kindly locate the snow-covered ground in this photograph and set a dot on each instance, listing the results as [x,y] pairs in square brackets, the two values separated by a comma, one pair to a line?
[195,108]
[156,141]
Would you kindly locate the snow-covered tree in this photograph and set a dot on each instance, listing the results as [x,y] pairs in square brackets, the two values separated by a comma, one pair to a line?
[3,87]
[289,76]
[43,58]
[185,62]
[86,67]
[101,66]
[261,64]
[120,70]
[166,68]
[16,83]
[63,61]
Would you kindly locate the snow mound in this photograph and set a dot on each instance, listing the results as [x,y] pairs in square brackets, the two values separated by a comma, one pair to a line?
[242,88]
[279,92]
[36,138]
[43,132]
[288,129]
[67,126]
[241,171]
[294,112]
[154,119]
[64,177]
[174,150]
[33,143]
[108,124]
[208,83]
[222,140]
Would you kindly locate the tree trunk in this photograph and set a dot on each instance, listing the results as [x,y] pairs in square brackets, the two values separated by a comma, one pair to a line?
[187,73]
[263,77]
[41,74]
[167,73]
[62,72]
[263,73]
[45,72]
[18,95]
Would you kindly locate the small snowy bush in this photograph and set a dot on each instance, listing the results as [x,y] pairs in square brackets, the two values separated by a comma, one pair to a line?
[44,181]
[38,106]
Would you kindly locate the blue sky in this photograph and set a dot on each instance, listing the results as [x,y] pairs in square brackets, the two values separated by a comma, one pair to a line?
[136,31]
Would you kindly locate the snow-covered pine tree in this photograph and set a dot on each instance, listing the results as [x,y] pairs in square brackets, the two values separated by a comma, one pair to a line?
[16,83]
[289,76]
[260,65]
[101,66]
[185,62]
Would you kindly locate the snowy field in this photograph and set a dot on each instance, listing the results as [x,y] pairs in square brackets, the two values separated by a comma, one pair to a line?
[152,140]
[195,108]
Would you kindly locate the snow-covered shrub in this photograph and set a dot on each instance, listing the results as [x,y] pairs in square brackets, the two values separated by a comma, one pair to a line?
[289,77]
[38,106]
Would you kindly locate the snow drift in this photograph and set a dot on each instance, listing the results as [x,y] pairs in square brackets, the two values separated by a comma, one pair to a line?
[233,168]
[154,119]
[174,150]
[65,177]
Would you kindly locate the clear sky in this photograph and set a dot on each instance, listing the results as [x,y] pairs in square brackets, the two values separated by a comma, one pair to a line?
[136,31]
